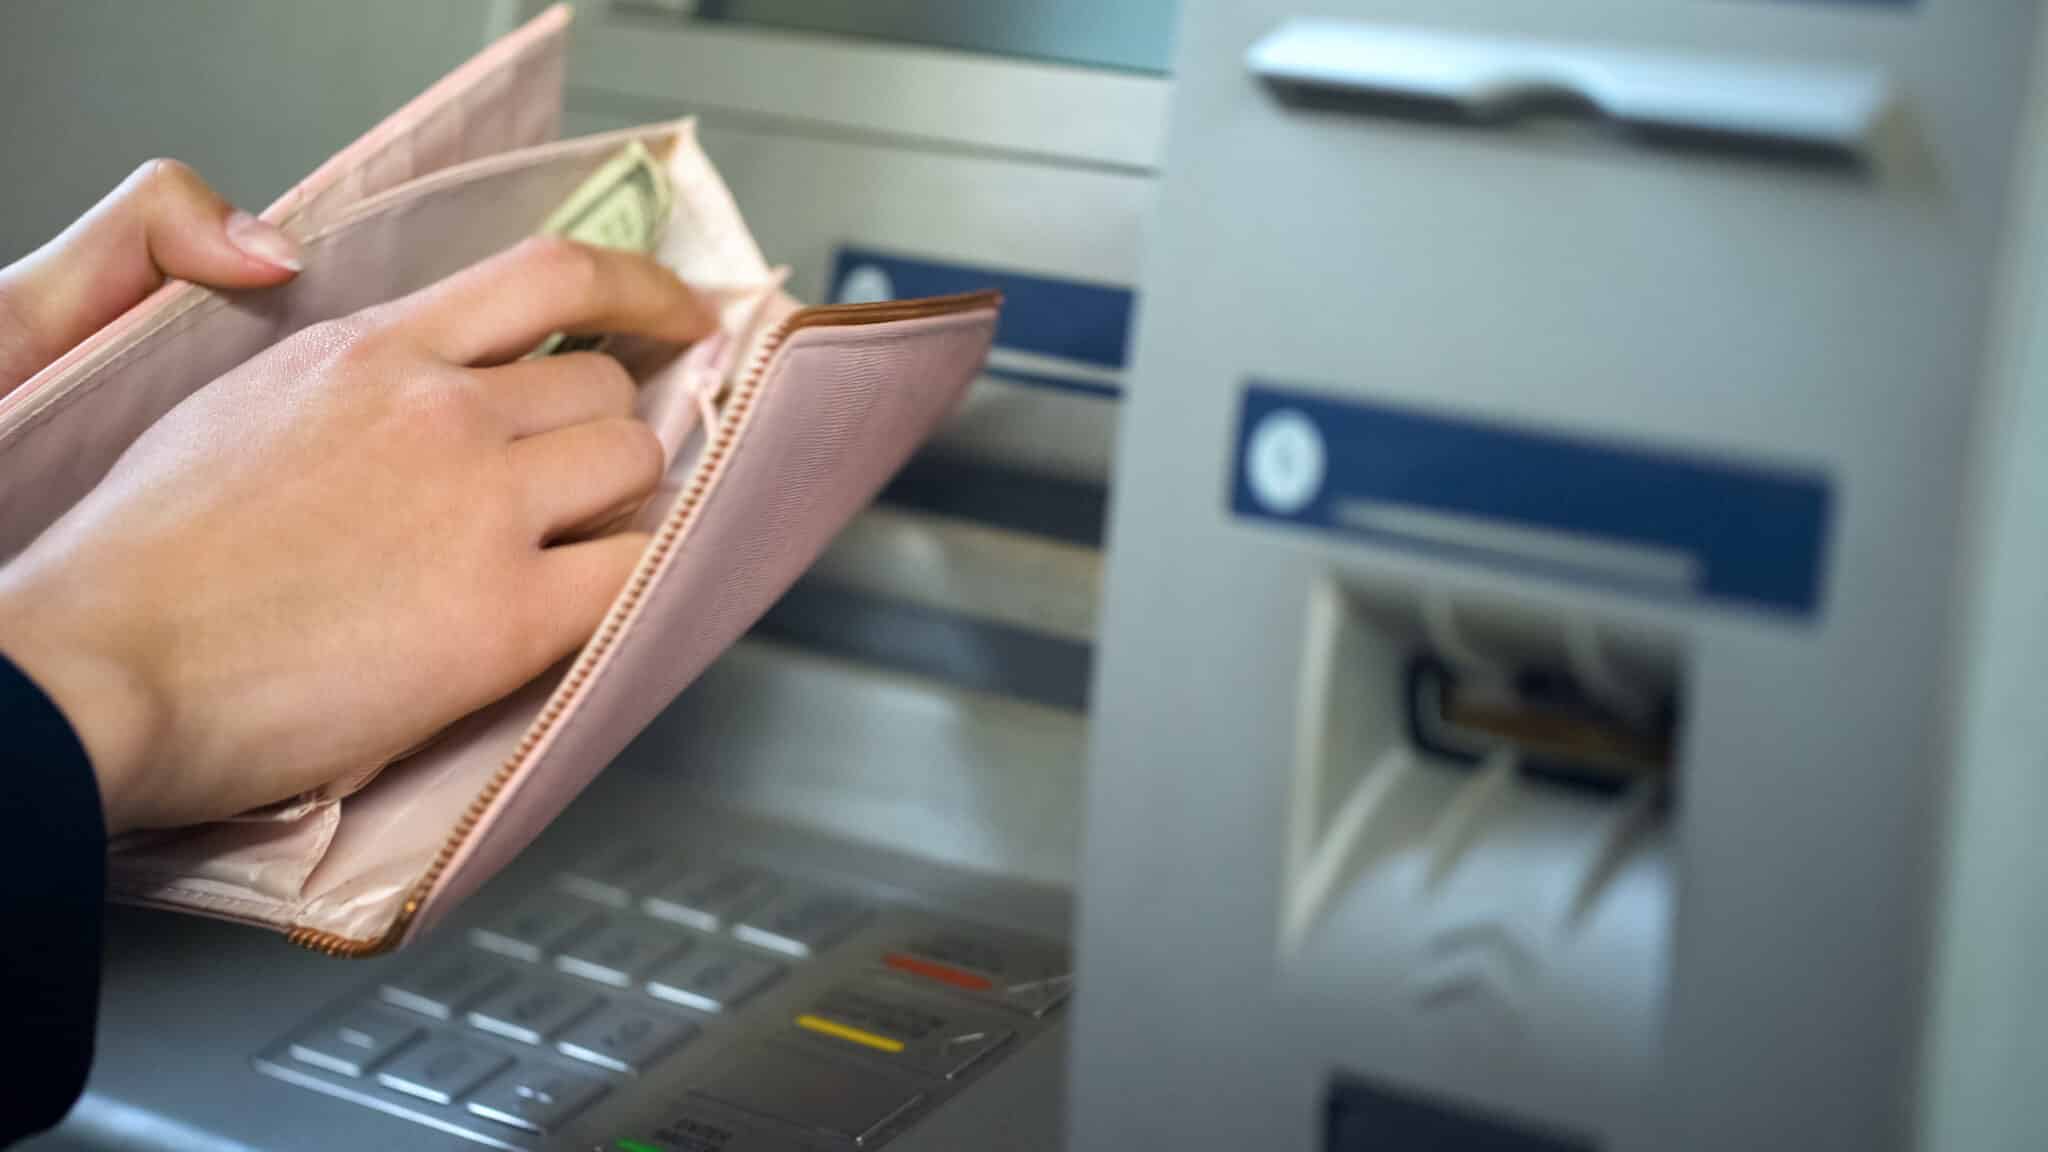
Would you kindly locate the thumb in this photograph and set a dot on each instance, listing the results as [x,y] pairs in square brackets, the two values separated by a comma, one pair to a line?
[162,222]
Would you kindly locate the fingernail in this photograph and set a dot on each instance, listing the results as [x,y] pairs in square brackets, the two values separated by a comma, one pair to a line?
[263,241]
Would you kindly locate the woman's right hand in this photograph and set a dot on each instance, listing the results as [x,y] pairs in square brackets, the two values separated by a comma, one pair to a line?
[366,532]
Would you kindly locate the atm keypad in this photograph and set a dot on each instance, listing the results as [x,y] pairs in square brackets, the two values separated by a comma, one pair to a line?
[356,1042]
[709,898]
[801,922]
[922,1034]
[709,1006]
[533,1009]
[713,977]
[448,985]
[621,949]
[534,1096]
[625,1037]
[533,929]
[1025,975]
[443,1069]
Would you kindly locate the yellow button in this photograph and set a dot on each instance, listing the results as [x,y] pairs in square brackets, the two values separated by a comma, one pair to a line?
[859,1036]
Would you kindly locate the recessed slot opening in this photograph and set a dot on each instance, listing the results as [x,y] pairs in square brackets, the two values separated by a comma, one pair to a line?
[1428,715]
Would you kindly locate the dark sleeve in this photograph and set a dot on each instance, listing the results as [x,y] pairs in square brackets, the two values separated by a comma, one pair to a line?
[53,876]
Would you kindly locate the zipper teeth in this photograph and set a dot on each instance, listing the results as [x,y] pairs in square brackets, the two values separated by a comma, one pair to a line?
[740,401]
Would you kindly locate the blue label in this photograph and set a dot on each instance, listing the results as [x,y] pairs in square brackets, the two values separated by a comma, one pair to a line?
[1643,521]
[1072,336]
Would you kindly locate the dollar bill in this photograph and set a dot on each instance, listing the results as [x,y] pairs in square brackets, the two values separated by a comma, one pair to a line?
[624,204]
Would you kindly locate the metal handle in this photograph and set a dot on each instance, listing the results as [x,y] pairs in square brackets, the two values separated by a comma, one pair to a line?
[1832,108]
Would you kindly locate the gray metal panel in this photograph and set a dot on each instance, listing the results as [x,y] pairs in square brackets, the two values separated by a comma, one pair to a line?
[251,93]
[1685,299]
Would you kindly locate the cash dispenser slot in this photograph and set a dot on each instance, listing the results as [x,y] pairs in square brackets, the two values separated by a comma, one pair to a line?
[1432,719]
[1480,859]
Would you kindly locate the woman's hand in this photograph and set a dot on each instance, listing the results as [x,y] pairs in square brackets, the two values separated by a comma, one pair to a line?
[373,528]
[162,223]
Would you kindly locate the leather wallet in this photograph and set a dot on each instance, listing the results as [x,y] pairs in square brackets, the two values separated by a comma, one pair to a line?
[778,429]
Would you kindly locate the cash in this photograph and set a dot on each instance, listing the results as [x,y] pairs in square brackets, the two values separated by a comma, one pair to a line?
[624,204]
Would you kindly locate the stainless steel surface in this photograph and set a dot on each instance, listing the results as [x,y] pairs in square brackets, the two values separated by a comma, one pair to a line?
[447,985]
[539,1098]
[613,873]
[708,898]
[801,922]
[443,1069]
[620,950]
[355,1042]
[535,927]
[899,1028]
[533,1009]
[697,1123]
[626,1037]
[815,1093]
[713,978]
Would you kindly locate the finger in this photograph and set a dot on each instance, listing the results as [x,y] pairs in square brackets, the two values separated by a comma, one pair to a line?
[504,306]
[560,391]
[586,474]
[162,222]
[578,583]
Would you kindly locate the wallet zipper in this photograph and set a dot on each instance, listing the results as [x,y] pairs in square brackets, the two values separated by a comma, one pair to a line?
[738,399]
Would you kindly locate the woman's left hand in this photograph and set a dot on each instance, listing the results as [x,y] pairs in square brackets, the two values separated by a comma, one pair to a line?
[163,222]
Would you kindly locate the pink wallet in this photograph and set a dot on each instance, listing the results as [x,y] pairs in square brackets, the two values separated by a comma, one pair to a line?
[779,428]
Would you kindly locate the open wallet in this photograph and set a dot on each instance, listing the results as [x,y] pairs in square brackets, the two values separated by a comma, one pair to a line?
[779,428]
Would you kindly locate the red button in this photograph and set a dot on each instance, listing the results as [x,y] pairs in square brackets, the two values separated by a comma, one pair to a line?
[943,973]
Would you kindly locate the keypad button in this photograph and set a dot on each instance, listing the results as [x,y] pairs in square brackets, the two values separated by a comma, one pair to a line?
[355,1043]
[926,1035]
[535,928]
[817,1093]
[532,1010]
[801,922]
[442,1069]
[446,985]
[625,1037]
[619,950]
[616,875]
[1025,975]
[712,978]
[535,1097]
[708,899]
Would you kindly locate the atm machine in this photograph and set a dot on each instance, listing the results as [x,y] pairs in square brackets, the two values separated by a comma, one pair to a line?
[1551,513]
[1573,455]
[825,901]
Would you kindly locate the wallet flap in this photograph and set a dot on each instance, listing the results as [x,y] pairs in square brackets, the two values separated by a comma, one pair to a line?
[833,415]
[830,401]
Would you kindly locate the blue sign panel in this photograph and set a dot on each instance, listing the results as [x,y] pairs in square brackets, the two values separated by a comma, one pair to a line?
[1644,521]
